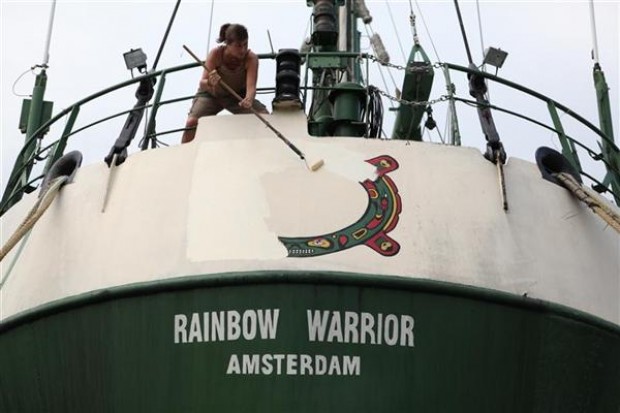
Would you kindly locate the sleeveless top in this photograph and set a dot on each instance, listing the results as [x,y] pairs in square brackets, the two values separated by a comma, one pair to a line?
[234,77]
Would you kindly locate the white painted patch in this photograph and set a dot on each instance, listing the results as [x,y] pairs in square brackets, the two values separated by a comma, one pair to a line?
[227,215]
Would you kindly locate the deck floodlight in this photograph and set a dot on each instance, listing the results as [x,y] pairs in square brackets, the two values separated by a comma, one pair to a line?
[135,58]
[494,57]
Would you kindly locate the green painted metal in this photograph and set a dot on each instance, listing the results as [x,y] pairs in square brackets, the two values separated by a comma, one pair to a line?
[35,120]
[568,147]
[348,100]
[567,111]
[357,66]
[322,62]
[324,66]
[337,113]
[610,152]
[16,187]
[37,109]
[417,86]
[457,349]
[150,128]
[455,134]
[58,149]
[311,3]
[46,114]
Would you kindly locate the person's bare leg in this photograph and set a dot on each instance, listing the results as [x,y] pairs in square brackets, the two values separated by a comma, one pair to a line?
[188,135]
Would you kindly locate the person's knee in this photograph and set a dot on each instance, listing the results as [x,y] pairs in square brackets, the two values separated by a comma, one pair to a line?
[191,122]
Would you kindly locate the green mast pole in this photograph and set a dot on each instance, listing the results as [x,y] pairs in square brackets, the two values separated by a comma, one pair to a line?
[324,39]
[609,149]
[35,119]
[38,112]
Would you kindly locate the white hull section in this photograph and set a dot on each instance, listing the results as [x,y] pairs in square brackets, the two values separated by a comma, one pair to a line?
[219,204]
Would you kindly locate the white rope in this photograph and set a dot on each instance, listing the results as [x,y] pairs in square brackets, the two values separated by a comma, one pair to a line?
[380,69]
[593,200]
[368,27]
[33,216]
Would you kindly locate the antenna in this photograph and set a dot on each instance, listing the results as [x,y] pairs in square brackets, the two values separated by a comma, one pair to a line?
[270,44]
[46,54]
[594,38]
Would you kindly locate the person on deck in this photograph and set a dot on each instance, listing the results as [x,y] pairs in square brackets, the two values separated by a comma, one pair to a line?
[236,65]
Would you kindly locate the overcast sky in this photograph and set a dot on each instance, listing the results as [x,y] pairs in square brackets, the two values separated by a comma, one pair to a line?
[549,46]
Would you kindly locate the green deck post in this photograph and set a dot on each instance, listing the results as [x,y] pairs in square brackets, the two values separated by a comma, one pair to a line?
[568,147]
[59,148]
[610,152]
[23,166]
[150,128]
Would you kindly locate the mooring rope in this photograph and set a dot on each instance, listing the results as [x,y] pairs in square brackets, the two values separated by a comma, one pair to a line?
[34,214]
[591,199]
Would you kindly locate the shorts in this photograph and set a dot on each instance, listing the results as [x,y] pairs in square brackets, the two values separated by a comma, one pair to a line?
[205,104]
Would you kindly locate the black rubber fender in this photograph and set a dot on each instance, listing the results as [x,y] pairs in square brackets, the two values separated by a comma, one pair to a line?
[552,162]
[67,165]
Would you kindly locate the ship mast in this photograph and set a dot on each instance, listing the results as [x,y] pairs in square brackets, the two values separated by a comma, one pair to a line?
[604,112]
[341,104]
[35,112]
[338,99]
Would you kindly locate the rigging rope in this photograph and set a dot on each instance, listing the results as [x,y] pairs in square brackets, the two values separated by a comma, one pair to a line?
[163,41]
[482,44]
[428,33]
[33,216]
[591,199]
[210,27]
[480,29]
[400,45]
[458,12]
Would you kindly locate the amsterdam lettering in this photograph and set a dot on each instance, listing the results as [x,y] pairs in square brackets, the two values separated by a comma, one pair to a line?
[348,327]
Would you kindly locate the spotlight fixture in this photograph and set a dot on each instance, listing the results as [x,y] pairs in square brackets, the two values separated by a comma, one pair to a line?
[494,57]
[135,58]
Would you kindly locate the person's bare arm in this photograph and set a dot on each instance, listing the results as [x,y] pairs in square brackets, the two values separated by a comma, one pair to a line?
[250,80]
[209,77]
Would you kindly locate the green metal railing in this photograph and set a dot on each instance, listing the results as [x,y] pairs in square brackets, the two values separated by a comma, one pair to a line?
[53,151]
[610,157]
[15,188]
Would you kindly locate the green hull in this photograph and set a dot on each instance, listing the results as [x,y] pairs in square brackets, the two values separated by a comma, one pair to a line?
[307,342]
